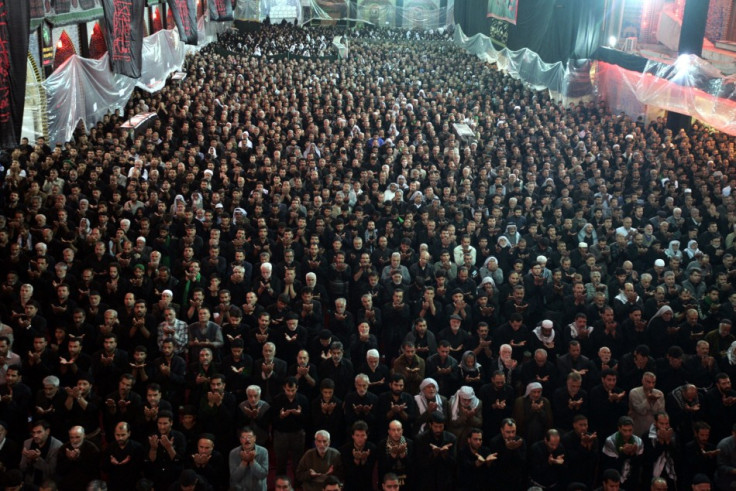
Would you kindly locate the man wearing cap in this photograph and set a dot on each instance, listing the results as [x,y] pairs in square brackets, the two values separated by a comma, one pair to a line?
[577,256]
[546,272]
[544,337]
[460,305]
[657,272]
[163,286]
[701,482]
[459,339]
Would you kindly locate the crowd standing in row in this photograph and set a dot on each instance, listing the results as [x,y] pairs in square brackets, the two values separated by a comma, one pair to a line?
[280,39]
[305,247]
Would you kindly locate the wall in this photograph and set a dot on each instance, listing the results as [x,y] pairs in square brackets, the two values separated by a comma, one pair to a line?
[718,15]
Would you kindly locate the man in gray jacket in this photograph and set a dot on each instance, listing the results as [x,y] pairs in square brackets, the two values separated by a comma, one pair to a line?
[248,463]
[39,454]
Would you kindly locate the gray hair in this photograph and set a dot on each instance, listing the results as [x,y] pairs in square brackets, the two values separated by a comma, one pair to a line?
[323,433]
[51,380]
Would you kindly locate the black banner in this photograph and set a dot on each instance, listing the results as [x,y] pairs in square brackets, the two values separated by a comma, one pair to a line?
[15,26]
[220,10]
[124,35]
[185,17]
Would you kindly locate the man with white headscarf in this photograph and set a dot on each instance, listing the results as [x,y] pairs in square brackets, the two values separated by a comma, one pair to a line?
[543,337]
[533,413]
[466,413]
[239,216]
[429,400]
[390,192]
[491,269]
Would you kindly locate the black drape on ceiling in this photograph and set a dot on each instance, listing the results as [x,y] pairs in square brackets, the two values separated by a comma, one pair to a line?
[472,16]
[557,30]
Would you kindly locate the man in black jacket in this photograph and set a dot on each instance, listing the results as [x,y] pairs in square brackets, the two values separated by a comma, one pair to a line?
[289,416]
[510,466]
[436,456]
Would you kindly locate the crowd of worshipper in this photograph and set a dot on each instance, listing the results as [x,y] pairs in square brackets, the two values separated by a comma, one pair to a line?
[370,31]
[281,39]
[300,270]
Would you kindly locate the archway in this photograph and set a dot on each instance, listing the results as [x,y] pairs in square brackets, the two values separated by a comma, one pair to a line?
[35,122]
